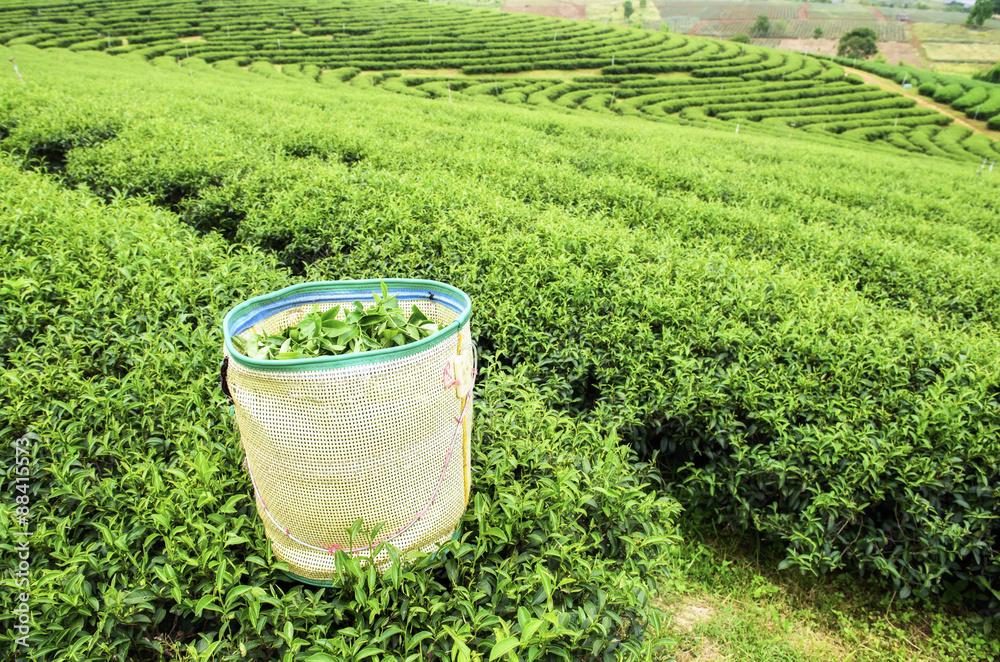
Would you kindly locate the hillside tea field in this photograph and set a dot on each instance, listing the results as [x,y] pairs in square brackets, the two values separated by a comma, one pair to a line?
[795,338]
[441,51]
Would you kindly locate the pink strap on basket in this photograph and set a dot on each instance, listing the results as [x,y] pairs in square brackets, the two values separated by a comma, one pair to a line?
[334,547]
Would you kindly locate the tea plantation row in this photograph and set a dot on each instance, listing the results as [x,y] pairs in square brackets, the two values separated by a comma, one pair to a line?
[805,29]
[653,75]
[145,543]
[846,109]
[978,99]
[807,338]
[841,107]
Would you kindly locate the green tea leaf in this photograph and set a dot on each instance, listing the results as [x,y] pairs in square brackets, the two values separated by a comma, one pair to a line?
[321,657]
[239,344]
[207,602]
[501,647]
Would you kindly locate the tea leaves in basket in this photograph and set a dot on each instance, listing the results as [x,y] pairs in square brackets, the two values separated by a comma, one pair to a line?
[322,334]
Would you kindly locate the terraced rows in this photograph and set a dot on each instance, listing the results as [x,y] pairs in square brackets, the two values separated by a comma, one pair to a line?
[722,10]
[803,28]
[726,19]
[372,35]
[978,99]
[840,11]
[932,16]
[653,75]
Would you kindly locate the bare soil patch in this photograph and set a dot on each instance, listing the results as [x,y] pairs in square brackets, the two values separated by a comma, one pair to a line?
[813,46]
[706,651]
[689,615]
[563,9]
[893,51]
[698,26]
[899,51]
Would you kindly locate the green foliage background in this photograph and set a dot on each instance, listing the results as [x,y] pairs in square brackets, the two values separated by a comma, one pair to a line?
[796,338]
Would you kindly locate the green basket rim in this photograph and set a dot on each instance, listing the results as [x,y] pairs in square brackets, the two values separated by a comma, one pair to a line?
[343,286]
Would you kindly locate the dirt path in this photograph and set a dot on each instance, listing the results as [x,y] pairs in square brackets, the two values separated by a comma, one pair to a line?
[803,12]
[922,63]
[879,16]
[697,26]
[922,101]
[563,9]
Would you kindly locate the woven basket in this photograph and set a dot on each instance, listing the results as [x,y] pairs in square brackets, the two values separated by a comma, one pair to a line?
[382,436]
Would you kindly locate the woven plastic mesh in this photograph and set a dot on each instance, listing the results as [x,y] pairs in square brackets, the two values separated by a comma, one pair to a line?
[374,442]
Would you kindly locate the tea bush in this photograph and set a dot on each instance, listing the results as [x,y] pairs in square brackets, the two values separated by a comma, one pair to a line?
[981,146]
[798,338]
[922,139]
[973,97]
[903,142]
[950,139]
[949,93]
[988,109]
[145,541]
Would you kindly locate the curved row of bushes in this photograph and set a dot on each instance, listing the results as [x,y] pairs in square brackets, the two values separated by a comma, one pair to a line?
[979,99]
[398,35]
[805,335]
[135,444]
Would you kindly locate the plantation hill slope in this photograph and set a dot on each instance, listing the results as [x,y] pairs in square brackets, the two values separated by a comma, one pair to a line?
[438,51]
[797,337]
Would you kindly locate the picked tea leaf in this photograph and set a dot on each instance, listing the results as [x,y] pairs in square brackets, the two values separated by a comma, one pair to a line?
[322,334]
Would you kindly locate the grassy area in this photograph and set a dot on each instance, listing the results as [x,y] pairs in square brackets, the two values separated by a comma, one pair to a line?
[966,69]
[957,49]
[724,600]
[939,52]
[613,13]
[954,33]
[947,52]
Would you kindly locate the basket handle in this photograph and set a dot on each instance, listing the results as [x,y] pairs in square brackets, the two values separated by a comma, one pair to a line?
[223,382]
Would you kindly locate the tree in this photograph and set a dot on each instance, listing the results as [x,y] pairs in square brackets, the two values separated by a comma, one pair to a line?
[817,33]
[982,10]
[742,38]
[629,9]
[992,76]
[859,43]
[762,26]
